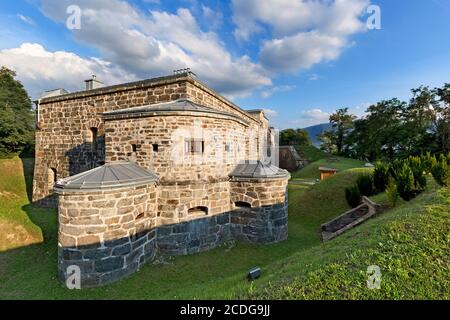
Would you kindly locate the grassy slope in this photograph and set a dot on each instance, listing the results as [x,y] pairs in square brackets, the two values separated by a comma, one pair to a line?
[311,171]
[334,269]
[410,244]
[16,228]
[30,272]
[310,152]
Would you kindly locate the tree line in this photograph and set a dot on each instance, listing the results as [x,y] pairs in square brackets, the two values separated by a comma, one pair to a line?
[393,129]
[17,120]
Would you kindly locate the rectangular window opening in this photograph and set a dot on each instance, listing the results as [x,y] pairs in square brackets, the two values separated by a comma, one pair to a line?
[194,146]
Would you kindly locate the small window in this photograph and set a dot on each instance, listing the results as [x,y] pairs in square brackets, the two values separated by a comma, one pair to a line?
[198,211]
[94,145]
[242,204]
[155,147]
[227,147]
[194,146]
[134,147]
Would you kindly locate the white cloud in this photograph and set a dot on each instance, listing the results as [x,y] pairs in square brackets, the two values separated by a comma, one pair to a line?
[300,51]
[214,19]
[305,33]
[158,43]
[143,44]
[271,91]
[311,117]
[313,77]
[40,70]
[26,19]
[289,17]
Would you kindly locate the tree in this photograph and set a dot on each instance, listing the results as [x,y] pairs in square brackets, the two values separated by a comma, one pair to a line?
[294,137]
[327,142]
[394,129]
[420,121]
[341,122]
[381,133]
[443,117]
[16,115]
[334,139]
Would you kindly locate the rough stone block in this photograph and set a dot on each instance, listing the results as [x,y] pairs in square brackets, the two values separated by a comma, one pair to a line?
[109,264]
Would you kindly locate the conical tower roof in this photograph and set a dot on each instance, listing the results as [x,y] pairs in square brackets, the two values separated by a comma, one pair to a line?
[110,175]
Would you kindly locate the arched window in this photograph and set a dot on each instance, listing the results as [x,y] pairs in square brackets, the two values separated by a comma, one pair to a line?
[198,211]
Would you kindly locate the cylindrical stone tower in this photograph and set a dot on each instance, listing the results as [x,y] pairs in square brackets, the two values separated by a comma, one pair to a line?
[259,195]
[106,222]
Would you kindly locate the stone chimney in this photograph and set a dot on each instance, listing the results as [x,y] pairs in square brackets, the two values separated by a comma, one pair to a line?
[93,83]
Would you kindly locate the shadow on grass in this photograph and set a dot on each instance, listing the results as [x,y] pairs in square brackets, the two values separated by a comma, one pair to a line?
[28,172]
[29,224]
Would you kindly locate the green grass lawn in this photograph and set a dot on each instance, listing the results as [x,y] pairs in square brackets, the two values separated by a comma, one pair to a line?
[310,152]
[410,244]
[312,172]
[16,228]
[29,272]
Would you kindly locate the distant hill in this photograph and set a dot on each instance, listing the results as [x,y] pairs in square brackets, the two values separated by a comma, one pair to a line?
[314,131]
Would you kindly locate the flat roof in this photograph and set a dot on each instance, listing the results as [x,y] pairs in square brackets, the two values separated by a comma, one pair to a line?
[185,76]
[328,169]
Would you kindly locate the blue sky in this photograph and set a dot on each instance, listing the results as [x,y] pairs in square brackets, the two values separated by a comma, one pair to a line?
[300,60]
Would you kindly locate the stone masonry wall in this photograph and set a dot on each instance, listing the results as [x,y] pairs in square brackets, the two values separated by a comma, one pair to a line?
[175,200]
[64,140]
[259,192]
[226,143]
[107,234]
[266,220]
[110,234]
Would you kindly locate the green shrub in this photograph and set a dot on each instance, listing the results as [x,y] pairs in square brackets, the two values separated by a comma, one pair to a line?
[381,176]
[441,172]
[395,166]
[353,196]
[417,168]
[365,185]
[392,192]
[428,162]
[405,182]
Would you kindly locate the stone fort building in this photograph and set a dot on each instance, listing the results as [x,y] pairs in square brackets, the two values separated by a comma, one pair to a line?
[164,166]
